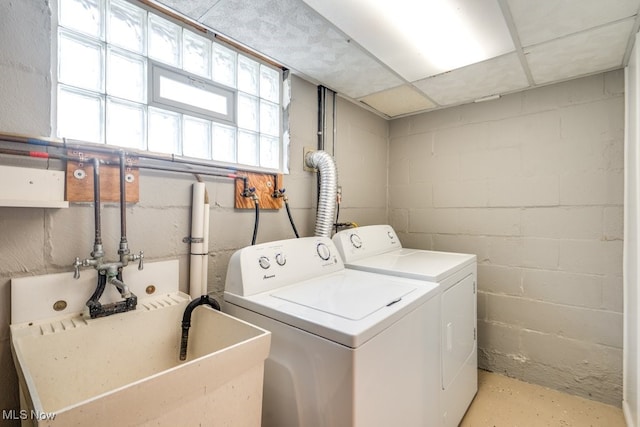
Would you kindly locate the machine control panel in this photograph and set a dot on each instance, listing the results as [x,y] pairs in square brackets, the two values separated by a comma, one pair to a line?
[362,242]
[265,262]
[268,266]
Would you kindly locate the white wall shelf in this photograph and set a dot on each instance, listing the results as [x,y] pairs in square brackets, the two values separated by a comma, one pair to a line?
[33,188]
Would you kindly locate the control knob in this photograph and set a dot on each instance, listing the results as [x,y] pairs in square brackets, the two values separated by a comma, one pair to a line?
[264,262]
[323,251]
[281,259]
[356,241]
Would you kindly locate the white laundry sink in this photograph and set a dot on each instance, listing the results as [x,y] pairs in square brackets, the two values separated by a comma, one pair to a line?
[125,369]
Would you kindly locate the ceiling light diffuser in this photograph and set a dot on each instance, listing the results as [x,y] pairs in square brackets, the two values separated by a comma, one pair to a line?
[442,35]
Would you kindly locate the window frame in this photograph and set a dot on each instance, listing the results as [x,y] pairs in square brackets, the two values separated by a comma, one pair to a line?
[155,69]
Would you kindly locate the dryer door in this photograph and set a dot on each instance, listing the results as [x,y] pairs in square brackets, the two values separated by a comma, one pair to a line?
[458,327]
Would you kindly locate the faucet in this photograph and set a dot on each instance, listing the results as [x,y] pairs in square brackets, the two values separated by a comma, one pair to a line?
[186,320]
[109,272]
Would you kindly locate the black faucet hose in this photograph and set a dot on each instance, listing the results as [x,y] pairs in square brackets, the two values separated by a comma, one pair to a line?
[102,283]
[183,343]
[255,224]
[293,225]
[186,320]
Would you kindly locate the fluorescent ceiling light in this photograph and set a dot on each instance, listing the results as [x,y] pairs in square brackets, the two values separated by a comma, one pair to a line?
[442,35]
[437,29]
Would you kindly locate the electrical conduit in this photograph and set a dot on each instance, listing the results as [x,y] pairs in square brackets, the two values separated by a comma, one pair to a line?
[328,176]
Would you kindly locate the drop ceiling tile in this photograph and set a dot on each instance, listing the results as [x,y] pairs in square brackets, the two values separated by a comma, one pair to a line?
[293,34]
[495,76]
[587,52]
[541,21]
[399,100]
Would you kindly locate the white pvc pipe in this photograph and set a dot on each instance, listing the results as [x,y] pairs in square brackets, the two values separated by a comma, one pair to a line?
[205,250]
[197,237]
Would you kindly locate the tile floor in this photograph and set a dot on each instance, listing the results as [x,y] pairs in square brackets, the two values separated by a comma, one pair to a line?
[506,402]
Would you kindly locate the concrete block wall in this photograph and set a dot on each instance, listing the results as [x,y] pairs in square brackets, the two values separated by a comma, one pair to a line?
[40,241]
[361,159]
[25,65]
[532,184]
[36,241]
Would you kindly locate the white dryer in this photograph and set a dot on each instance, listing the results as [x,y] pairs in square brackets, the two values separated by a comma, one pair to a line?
[377,249]
[348,348]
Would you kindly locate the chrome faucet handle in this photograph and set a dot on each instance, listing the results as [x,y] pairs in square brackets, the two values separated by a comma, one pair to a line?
[141,258]
[76,266]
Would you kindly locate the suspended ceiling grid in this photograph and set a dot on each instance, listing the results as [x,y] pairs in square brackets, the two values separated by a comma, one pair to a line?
[339,44]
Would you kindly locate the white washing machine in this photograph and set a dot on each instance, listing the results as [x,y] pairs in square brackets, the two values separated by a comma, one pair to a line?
[377,249]
[348,347]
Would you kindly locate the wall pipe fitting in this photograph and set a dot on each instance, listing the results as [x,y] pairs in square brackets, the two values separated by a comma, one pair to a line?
[108,272]
[97,244]
[322,120]
[124,245]
[335,125]
[152,161]
[63,146]
[123,250]
[328,184]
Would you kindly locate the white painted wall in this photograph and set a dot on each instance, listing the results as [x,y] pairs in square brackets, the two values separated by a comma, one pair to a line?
[532,184]
[631,395]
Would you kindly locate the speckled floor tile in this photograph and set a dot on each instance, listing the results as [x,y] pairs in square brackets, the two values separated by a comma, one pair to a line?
[506,402]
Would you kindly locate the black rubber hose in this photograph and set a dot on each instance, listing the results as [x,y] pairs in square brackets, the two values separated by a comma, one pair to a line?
[255,224]
[203,300]
[295,230]
[186,320]
[102,283]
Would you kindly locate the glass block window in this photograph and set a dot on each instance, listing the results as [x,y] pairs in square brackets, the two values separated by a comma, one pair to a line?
[131,77]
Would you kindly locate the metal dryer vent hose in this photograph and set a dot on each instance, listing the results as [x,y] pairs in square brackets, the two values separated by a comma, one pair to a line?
[322,161]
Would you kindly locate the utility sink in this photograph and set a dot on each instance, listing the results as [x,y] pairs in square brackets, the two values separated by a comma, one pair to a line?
[124,369]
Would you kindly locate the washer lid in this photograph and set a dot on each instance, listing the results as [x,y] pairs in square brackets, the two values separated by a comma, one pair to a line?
[415,263]
[353,300]
[348,307]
